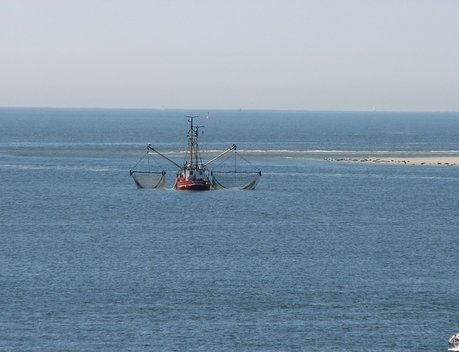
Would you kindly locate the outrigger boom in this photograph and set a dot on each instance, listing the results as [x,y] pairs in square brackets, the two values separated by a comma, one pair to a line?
[149,147]
[233,147]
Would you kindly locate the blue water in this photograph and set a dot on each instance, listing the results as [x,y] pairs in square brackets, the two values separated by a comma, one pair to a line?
[321,256]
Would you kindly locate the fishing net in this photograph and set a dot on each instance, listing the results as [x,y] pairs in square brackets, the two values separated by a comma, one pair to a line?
[149,179]
[235,172]
[235,180]
[144,176]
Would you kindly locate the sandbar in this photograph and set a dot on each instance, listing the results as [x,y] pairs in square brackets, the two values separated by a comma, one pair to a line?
[411,160]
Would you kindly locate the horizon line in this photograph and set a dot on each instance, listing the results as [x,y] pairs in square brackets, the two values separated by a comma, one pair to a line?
[226,109]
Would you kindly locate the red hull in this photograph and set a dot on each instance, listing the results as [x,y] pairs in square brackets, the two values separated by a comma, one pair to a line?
[189,185]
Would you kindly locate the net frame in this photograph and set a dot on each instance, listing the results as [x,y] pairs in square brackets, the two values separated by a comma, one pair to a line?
[231,176]
[149,179]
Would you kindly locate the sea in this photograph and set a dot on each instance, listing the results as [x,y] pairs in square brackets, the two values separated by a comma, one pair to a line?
[322,255]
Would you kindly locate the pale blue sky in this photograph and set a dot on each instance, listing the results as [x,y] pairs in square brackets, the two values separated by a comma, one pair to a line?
[250,54]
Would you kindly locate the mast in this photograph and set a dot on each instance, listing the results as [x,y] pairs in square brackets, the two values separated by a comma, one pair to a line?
[196,145]
[191,139]
[193,147]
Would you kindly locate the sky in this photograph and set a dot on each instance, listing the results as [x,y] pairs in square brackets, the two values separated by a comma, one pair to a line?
[385,55]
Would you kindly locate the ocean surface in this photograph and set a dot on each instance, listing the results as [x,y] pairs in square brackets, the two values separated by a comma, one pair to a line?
[321,256]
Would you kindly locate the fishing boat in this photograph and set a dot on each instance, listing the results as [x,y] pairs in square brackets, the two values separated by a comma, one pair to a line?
[194,174]
[454,343]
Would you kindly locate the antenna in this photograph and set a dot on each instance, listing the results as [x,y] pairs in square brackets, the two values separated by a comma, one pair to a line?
[196,130]
[193,128]
[191,118]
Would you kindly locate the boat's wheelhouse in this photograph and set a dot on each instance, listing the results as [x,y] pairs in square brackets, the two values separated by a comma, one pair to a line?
[195,174]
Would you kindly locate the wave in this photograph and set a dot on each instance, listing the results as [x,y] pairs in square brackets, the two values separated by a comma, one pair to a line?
[57,168]
[64,144]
